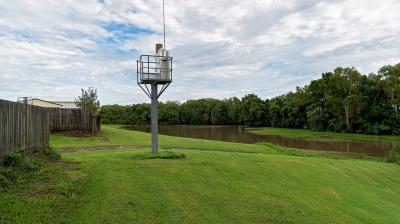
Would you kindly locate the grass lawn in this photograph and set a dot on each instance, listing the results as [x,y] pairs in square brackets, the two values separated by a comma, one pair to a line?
[112,135]
[216,182]
[304,133]
[45,193]
[232,187]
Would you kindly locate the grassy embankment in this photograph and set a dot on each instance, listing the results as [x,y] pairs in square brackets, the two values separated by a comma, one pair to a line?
[304,133]
[40,189]
[217,182]
[113,136]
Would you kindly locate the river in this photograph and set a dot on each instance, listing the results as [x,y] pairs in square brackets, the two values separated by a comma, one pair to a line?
[238,134]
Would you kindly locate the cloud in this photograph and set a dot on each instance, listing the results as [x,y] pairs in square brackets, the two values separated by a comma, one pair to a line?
[221,48]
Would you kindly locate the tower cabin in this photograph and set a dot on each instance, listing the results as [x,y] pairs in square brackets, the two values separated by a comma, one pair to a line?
[155,69]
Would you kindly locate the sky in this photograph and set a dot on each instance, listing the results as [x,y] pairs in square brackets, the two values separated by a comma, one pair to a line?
[221,48]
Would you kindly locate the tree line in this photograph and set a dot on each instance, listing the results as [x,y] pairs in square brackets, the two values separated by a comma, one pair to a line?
[343,100]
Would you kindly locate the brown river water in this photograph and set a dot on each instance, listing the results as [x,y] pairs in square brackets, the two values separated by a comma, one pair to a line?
[238,134]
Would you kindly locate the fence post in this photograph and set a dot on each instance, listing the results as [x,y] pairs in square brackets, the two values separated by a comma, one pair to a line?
[26,143]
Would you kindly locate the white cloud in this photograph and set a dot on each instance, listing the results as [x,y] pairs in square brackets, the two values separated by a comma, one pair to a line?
[221,48]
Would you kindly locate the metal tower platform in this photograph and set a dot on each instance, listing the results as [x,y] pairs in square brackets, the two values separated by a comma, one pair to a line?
[154,70]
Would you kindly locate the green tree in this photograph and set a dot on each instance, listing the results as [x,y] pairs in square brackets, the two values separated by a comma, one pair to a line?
[253,110]
[343,100]
[391,76]
[88,101]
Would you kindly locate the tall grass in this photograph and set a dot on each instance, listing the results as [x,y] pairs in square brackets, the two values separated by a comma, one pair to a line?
[16,169]
[393,156]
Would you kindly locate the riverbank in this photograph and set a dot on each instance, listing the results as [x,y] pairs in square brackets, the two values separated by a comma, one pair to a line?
[304,133]
[239,135]
[114,135]
[215,182]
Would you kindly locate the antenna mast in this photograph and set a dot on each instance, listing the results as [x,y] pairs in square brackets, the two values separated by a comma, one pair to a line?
[163,10]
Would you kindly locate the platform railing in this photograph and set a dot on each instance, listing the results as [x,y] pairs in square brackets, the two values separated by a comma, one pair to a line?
[149,68]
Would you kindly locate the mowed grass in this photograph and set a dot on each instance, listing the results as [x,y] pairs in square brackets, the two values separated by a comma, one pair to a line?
[114,136]
[215,182]
[232,187]
[304,133]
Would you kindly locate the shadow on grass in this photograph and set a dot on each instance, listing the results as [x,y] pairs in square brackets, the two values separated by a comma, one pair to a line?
[160,155]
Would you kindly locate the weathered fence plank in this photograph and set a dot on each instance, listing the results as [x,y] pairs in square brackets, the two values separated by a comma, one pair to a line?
[73,120]
[23,127]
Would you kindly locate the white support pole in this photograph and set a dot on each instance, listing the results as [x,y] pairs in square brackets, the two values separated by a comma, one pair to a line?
[154,118]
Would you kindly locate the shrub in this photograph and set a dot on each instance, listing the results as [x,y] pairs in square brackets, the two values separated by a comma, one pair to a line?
[13,160]
[16,160]
[16,169]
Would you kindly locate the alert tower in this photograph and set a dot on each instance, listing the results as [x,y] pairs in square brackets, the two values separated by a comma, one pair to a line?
[154,71]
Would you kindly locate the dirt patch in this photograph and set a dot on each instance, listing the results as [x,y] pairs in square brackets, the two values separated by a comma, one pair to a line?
[77,134]
[63,164]
[332,192]
[96,148]
[104,138]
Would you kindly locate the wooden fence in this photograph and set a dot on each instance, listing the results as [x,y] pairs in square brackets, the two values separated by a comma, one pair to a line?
[73,120]
[23,127]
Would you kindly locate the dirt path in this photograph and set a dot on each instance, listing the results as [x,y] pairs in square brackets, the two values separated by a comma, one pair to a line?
[96,148]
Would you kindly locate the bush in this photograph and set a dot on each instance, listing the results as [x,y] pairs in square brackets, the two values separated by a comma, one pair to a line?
[15,168]
[13,160]
[159,155]
[16,160]
[393,156]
